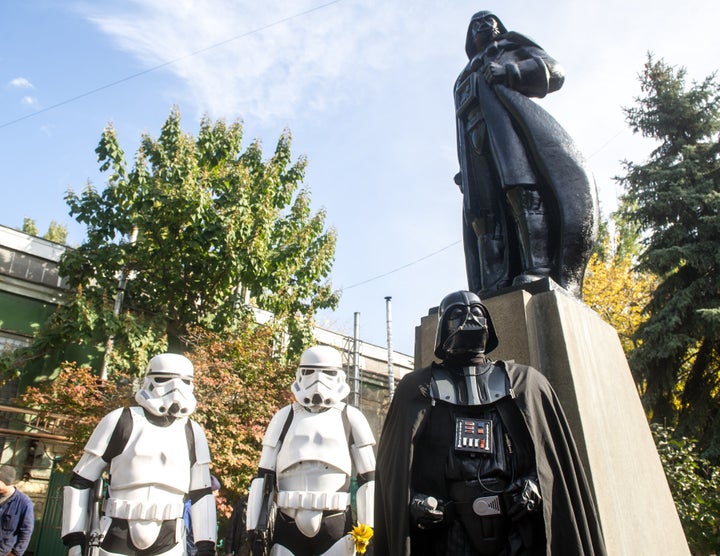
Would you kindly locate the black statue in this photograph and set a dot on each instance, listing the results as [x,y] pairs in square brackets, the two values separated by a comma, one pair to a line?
[529,203]
[476,457]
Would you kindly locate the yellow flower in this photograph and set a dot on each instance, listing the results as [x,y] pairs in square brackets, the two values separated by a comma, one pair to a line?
[361,534]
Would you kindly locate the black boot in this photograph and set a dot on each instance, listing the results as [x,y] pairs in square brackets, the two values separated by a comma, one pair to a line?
[532,224]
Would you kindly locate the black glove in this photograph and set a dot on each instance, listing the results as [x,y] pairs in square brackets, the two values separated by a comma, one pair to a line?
[427,512]
[76,539]
[205,548]
[522,498]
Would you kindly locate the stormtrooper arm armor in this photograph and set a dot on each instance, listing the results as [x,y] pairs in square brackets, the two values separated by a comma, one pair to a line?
[266,467]
[202,509]
[364,459]
[77,496]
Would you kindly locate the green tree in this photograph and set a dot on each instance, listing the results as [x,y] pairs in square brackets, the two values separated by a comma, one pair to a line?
[57,233]
[695,483]
[241,380]
[30,227]
[673,199]
[191,232]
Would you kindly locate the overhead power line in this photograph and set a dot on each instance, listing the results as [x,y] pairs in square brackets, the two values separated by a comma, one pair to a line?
[165,64]
[401,267]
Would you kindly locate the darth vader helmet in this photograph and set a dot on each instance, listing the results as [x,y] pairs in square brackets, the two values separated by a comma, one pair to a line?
[465,328]
[470,47]
[320,381]
[167,390]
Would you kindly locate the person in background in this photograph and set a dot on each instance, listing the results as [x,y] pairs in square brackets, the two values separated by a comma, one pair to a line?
[16,515]
[236,543]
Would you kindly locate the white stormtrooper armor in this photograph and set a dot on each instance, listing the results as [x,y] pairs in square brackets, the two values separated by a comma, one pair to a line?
[157,457]
[310,449]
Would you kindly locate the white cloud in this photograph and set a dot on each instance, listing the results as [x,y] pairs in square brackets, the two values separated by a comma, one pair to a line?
[271,59]
[20,83]
[28,100]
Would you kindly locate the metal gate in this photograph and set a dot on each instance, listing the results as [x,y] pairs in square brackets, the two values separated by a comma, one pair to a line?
[48,541]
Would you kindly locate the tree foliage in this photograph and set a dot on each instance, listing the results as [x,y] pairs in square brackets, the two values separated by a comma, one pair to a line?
[57,233]
[240,383]
[241,380]
[79,395]
[189,233]
[695,484]
[616,291]
[673,199]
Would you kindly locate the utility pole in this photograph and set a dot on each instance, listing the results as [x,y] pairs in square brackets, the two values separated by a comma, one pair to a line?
[355,401]
[391,377]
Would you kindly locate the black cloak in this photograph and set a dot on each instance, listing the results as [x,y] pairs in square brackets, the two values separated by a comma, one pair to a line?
[528,146]
[571,522]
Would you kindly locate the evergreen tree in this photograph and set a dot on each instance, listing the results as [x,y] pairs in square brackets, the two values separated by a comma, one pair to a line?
[673,199]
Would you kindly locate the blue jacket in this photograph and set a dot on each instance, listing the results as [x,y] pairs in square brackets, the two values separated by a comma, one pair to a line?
[17,520]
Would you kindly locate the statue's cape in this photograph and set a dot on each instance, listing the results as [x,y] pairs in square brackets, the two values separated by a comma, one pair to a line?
[530,147]
[571,523]
[563,171]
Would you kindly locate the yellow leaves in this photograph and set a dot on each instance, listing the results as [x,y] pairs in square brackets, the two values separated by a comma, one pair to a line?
[361,535]
[618,294]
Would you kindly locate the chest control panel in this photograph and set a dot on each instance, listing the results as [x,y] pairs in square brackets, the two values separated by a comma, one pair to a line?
[473,435]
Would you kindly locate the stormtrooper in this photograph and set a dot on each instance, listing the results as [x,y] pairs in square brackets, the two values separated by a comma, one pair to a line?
[476,457]
[157,458]
[310,449]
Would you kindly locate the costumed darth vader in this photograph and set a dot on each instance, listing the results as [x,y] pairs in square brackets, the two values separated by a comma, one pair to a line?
[476,457]
[158,457]
[310,451]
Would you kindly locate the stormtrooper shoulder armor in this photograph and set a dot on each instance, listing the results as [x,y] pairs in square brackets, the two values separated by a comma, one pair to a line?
[361,432]
[100,438]
[274,432]
[202,450]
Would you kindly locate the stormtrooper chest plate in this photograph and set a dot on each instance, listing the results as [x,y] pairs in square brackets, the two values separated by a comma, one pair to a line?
[316,437]
[153,456]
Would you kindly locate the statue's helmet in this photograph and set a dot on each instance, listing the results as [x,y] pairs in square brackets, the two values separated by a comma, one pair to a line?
[320,380]
[167,389]
[465,328]
[469,41]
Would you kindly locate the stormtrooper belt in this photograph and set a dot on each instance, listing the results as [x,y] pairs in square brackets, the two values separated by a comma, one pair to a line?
[309,500]
[124,509]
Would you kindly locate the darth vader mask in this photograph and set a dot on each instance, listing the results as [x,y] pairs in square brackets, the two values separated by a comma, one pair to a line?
[465,328]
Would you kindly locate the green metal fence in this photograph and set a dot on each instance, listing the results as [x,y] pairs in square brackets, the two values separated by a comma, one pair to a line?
[48,542]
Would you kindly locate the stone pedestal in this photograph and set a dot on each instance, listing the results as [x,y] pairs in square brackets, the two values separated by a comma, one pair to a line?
[582,358]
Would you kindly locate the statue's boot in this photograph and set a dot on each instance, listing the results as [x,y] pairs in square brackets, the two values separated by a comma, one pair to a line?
[528,209]
[494,270]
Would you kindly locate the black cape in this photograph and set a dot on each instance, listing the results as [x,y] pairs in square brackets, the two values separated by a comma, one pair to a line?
[571,523]
[529,146]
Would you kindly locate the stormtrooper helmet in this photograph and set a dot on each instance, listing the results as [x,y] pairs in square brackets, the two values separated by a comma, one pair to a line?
[320,379]
[167,390]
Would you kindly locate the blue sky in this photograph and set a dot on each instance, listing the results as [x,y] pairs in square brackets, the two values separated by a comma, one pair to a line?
[365,87]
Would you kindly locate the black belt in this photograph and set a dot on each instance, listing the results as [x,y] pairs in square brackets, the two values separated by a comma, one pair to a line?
[483,506]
